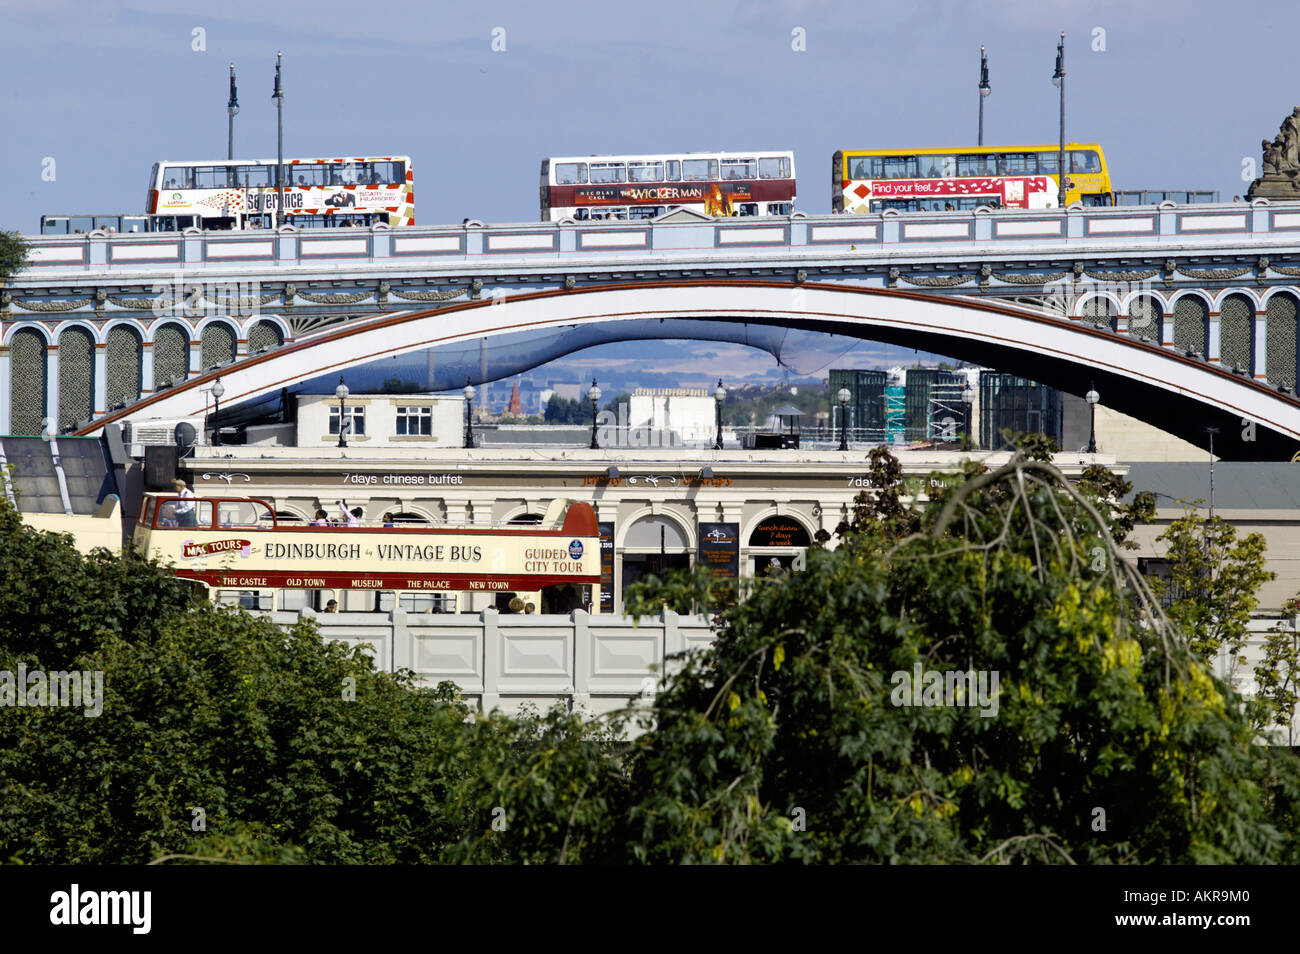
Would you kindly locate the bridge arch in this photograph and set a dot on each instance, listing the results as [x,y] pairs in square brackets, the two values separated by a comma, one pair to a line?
[1162,385]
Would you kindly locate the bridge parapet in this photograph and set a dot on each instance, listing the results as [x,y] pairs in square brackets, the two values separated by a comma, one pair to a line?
[982,233]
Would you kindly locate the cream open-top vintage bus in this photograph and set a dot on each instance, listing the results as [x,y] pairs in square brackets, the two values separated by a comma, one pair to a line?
[235,545]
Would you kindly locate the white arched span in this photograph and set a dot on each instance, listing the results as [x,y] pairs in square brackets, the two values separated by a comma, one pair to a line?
[1180,394]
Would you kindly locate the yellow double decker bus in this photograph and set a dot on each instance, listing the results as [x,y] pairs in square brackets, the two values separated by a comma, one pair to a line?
[945,180]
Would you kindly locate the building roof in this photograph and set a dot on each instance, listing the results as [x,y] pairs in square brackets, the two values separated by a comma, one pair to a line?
[1238,485]
[35,476]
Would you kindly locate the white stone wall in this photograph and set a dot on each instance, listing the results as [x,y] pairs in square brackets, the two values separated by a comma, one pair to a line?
[447,416]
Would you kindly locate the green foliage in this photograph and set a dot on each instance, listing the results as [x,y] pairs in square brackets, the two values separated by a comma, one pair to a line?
[789,715]
[212,709]
[1213,582]
[783,742]
[566,411]
[13,254]
[1277,690]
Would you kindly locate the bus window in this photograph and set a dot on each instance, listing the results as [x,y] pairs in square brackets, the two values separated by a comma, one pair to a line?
[1018,164]
[899,167]
[645,211]
[243,513]
[673,172]
[747,208]
[974,165]
[172,514]
[82,223]
[1084,160]
[780,208]
[571,173]
[135,223]
[777,167]
[699,170]
[739,169]
[255,177]
[55,225]
[645,172]
[210,177]
[602,172]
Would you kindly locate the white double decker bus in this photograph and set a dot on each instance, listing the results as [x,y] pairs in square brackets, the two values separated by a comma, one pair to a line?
[240,194]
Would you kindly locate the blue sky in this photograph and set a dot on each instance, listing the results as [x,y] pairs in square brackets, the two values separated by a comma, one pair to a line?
[1182,92]
[1178,93]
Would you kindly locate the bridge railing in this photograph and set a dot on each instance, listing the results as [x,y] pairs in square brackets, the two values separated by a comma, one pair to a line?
[730,237]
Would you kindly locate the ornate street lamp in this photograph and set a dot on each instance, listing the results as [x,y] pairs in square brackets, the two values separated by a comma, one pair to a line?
[341,392]
[469,419]
[1058,80]
[985,89]
[844,396]
[278,95]
[968,398]
[719,395]
[218,389]
[1092,397]
[594,394]
[232,109]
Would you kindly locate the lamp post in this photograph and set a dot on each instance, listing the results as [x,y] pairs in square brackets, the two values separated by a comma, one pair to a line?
[844,396]
[341,392]
[985,89]
[218,389]
[1058,80]
[232,108]
[594,394]
[968,398]
[469,412]
[719,395]
[1092,397]
[1212,431]
[278,96]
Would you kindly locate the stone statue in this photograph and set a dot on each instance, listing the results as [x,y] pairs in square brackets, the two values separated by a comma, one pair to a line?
[1281,162]
[1290,135]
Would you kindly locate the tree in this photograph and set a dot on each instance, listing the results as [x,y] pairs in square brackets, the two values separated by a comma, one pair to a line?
[13,254]
[220,737]
[1277,677]
[563,411]
[1110,742]
[1213,582]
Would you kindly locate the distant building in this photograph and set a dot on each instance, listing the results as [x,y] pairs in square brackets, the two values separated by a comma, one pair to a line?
[370,420]
[689,415]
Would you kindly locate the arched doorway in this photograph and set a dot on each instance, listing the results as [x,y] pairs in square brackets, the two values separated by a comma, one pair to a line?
[653,545]
[774,543]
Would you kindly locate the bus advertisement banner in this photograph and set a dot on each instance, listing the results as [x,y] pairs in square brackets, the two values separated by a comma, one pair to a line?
[1013,191]
[380,559]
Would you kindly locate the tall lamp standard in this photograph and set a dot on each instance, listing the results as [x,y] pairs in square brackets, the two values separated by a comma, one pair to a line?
[719,395]
[218,389]
[278,96]
[985,89]
[469,419]
[844,396]
[232,109]
[341,392]
[1092,397]
[968,398]
[594,394]
[1058,80]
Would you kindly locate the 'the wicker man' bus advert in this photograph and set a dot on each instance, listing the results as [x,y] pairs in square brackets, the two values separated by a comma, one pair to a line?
[236,542]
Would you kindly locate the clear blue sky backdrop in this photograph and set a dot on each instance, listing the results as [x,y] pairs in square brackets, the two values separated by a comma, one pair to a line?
[1181,94]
